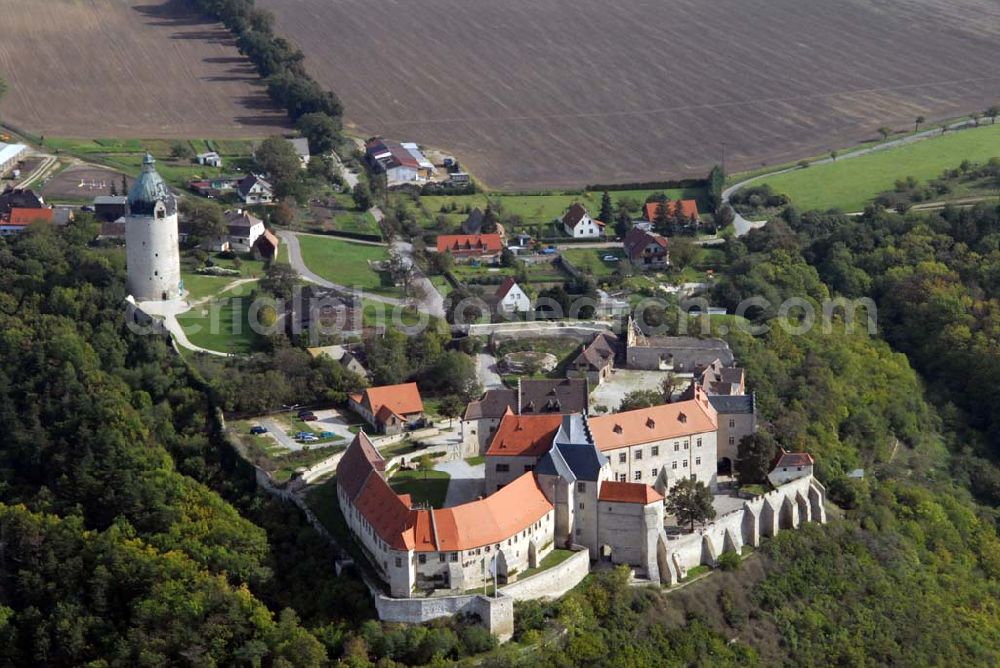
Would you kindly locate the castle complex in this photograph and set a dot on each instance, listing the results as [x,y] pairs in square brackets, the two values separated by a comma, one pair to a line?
[563,481]
[151,238]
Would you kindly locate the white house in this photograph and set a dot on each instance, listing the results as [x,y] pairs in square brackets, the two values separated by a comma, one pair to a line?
[243,230]
[402,163]
[578,224]
[511,298]
[255,190]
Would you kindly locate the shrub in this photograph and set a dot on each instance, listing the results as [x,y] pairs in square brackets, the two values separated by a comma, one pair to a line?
[729,561]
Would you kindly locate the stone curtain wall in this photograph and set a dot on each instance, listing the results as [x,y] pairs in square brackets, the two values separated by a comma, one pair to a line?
[497,613]
[784,508]
[551,583]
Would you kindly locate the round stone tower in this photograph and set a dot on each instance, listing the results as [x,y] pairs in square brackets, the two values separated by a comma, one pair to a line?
[152,253]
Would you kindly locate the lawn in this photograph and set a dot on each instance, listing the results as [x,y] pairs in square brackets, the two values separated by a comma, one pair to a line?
[355,221]
[591,260]
[345,262]
[538,272]
[425,487]
[223,324]
[849,184]
[553,558]
[379,314]
[542,208]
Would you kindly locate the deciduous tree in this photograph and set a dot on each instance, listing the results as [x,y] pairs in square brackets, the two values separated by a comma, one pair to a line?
[690,501]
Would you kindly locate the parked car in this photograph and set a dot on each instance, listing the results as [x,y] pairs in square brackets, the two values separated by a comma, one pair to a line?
[309,438]
[610,258]
[303,434]
[257,430]
[550,250]
[304,411]
[308,417]
[326,434]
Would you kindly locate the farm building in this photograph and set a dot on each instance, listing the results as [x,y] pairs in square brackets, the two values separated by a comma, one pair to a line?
[596,361]
[402,163]
[243,230]
[18,198]
[209,159]
[10,155]
[578,224]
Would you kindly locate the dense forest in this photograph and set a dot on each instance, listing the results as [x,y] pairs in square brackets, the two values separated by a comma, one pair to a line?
[130,534]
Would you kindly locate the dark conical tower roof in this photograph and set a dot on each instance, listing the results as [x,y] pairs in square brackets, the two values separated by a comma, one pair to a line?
[148,189]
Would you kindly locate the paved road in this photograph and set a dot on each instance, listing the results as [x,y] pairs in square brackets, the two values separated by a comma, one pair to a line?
[168,311]
[295,259]
[743,226]
[466,484]
[430,301]
[486,371]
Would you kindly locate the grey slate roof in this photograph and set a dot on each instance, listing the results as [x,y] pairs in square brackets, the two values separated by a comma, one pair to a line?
[493,404]
[553,463]
[563,395]
[733,405]
[689,353]
[575,446]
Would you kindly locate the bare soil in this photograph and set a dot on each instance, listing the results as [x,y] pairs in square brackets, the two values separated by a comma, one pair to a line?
[533,94]
[82,182]
[127,69]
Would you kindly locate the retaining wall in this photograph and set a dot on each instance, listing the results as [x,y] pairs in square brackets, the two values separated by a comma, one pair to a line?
[497,613]
[553,582]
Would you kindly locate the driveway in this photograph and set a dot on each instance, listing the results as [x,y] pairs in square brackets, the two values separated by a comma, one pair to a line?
[486,371]
[430,301]
[280,435]
[332,420]
[467,482]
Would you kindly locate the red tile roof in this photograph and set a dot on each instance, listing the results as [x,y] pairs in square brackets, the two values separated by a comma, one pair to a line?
[637,240]
[628,492]
[524,435]
[789,459]
[389,516]
[28,216]
[469,243]
[688,206]
[359,460]
[505,287]
[658,423]
[403,399]
[574,215]
[510,510]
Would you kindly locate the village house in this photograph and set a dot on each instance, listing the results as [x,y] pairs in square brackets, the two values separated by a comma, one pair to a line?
[323,311]
[531,397]
[578,224]
[390,409]
[19,198]
[346,356]
[243,230]
[463,246]
[646,250]
[253,189]
[511,298]
[683,209]
[596,360]
[19,219]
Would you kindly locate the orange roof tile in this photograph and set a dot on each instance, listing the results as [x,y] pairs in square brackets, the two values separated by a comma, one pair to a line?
[524,435]
[403,399]
[492,520]
[628,492]
[645,425]
[391,519]
[688,206]
[28,216]
[359,460]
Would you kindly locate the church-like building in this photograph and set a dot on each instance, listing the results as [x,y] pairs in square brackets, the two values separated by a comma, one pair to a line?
[151,238]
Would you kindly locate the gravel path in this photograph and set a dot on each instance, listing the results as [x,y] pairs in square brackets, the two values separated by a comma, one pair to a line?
[467,481]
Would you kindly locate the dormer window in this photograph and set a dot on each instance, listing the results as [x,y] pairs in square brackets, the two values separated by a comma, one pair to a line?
[617,429]
[650,423]
[683,418]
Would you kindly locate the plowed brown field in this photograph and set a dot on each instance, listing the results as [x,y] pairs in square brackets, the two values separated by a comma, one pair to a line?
[129,69]
[552,93]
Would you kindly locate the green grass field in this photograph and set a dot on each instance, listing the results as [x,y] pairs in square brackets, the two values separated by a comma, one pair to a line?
[535,209]
[223,324]
[591,262]
[345,262]
[426,487]
[850,184]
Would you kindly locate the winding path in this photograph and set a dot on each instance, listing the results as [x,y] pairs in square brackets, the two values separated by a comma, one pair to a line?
[743,226]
